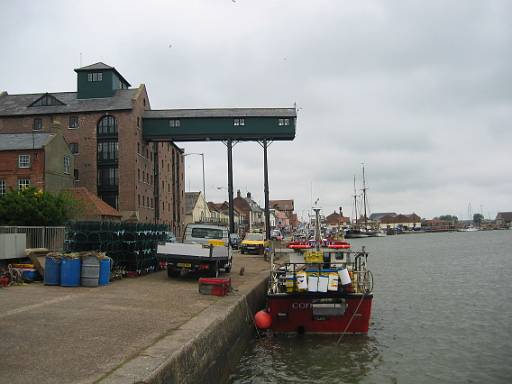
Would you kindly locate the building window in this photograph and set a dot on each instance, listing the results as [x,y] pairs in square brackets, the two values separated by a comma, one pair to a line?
[38,124]
[73,147]
[237,122]
[24,161]
[107,126]
[138,198]
[2,187]
[73,122]
[108,150]
[174,123]
[23,183]
[138,174]
[95,76]
[76,175]
[108,176]
[67,165]
[138,121]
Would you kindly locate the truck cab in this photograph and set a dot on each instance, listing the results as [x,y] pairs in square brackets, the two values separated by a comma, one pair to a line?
[204,250]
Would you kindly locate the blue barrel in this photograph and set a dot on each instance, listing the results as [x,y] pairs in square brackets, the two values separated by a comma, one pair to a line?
[104,271]
[70,272]
[52,270]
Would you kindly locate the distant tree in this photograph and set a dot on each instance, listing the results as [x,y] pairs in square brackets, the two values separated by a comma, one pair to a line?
[477,218]
[37,208]
[448,218]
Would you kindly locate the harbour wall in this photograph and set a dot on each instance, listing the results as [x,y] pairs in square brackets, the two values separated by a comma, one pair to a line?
[204,348]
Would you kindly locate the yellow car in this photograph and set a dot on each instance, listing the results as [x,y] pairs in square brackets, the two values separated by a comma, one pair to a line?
[254,242]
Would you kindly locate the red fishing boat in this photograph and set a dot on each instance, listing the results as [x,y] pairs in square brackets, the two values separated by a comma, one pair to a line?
[324,289]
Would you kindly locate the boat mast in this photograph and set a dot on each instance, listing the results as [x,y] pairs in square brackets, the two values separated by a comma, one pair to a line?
[364,201]
[355,201]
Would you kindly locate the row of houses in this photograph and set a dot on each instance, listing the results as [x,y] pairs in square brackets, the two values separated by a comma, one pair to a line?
[248,214]
[392,221]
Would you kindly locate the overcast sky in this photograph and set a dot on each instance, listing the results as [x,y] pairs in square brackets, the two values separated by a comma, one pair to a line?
[420,91]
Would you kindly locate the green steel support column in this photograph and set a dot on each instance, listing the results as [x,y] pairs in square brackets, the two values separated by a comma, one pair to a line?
[267,203]
[230,187]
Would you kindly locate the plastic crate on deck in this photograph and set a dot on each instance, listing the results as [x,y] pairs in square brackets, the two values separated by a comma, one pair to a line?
[215,287]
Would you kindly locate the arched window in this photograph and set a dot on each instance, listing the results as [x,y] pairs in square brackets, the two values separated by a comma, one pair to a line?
[107,126]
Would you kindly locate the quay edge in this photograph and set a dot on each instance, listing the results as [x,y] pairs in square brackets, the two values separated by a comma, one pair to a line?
[203,349]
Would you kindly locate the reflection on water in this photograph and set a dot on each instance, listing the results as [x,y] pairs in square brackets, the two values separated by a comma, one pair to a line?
[441,313]
[308,359]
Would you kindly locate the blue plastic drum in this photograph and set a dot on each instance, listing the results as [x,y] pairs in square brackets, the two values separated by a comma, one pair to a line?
[104,271]
[70,272]
[52,270]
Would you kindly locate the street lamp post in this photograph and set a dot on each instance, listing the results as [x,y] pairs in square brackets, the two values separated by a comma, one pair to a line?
[202,156]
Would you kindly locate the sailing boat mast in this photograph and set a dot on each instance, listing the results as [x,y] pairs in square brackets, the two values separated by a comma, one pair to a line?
[364,201]
[355,201]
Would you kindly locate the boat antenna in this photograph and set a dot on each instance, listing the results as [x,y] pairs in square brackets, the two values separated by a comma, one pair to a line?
[318,239]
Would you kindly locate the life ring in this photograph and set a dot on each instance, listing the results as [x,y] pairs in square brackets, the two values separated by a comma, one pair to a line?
[299,246]
[339,246]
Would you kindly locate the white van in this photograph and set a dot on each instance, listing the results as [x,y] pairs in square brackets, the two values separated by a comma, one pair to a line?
[201,233]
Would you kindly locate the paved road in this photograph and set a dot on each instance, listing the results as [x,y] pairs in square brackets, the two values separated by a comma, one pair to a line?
[78,335]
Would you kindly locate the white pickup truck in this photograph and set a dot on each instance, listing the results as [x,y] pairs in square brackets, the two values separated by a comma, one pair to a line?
[204,250]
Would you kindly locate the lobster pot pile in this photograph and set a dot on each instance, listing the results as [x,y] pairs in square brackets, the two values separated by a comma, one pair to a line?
[131,246]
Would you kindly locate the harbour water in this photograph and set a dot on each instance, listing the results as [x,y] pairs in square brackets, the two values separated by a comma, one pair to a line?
[442,313]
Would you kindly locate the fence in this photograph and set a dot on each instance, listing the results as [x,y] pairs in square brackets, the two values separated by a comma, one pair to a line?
[51,238]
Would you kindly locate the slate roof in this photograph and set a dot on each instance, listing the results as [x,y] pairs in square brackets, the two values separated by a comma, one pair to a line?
[507,216]
[99,66]
[220,112]
[18,105]
[378,216]
[22,141]
[190,201]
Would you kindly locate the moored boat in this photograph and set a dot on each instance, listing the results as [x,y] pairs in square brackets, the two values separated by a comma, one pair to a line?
[324,289]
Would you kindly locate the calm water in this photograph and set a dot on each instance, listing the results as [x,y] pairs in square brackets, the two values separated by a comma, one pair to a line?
[442,313]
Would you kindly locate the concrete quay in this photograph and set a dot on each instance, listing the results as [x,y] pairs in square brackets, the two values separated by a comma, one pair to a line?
[149,329]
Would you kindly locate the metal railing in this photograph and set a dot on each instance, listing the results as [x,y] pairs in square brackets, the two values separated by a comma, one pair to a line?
[51,238]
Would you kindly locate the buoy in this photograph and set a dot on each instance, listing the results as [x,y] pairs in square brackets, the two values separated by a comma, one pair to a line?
[263,320]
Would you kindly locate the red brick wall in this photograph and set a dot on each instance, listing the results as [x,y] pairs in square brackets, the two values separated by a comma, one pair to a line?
[131,161]
[10,172]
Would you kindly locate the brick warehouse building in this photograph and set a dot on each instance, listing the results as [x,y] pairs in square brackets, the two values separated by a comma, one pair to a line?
[102,123]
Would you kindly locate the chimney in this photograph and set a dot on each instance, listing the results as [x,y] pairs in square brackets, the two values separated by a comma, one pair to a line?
[238,193]
[248,195]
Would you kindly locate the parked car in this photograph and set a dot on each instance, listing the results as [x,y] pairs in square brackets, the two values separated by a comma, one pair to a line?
[234,240]
[276,235]
[253,242]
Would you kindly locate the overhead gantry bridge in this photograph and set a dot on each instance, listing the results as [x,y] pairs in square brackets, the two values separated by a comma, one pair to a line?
[227,125]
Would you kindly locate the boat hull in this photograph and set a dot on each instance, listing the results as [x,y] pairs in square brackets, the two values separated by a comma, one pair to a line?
[320,313]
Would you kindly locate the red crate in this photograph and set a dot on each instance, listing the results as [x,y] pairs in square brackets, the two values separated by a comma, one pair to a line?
[216,287]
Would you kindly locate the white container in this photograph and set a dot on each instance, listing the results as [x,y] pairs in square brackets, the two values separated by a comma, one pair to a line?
[344,277]
[302,281]
[312,283]
[323,282]
[333,281]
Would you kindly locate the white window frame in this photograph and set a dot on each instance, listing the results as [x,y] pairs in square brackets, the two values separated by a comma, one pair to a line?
[174,123]
[2,187]
[67,165]
[22,186]
[24,164]
[39,125]
[77,122]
